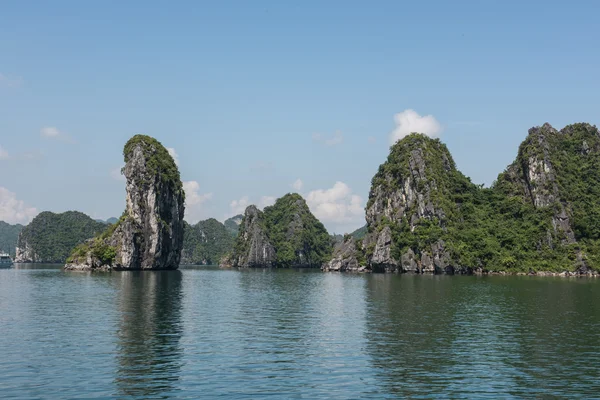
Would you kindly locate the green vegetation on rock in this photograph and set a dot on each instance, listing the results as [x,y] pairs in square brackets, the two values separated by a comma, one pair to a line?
[284,235]
[158,161]
[149,235]
[51,237]
[298,236]
[542,213]
[359,233]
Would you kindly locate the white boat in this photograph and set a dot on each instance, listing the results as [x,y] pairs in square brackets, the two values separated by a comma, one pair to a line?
[5,260]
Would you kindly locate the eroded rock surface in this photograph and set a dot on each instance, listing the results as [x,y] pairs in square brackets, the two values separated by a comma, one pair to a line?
[149,235]
[253,247]
[345,257]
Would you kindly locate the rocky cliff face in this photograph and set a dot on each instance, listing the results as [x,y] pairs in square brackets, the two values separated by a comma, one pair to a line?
[534,177]
[409,194]
[25,253]
[557,173]
[284,235]
[542,213]
[347,257]
[253,247]
[149,235]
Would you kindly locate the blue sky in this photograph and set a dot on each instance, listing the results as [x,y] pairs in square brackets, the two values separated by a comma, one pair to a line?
[254,96]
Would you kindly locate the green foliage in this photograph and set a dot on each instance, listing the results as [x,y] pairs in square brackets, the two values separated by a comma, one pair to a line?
[53,236]
[500,228]
[206,242]
[158,161]
[9,234]
[105,253]
[98,247]
[359,233]
[298,237]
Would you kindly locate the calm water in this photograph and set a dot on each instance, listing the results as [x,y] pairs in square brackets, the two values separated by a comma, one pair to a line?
[213,333]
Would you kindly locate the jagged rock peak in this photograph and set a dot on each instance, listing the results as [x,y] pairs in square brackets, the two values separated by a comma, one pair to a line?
[541,214]
[347,257]
[546,128]
[253,247]
[412,186]
[285,234]
[149,235]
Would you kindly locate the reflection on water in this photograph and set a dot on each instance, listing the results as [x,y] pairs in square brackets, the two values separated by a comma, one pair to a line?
[148,352]
[206,333]
[408,318]
[496,337]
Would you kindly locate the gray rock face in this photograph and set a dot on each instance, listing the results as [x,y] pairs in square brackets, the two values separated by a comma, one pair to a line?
[437,261]
[382,254]
[538,177]
[344,257]
[254,249]
[406,195]
[24,253]
[149,236]
[413,196]
[409,262]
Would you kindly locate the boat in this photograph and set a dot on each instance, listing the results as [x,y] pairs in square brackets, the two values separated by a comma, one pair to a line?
[5,260]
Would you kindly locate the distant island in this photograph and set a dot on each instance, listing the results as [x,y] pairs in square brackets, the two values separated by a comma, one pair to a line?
[285,234]
[541,215]
[50,237]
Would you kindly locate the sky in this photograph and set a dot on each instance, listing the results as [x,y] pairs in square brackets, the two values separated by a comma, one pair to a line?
[260,98]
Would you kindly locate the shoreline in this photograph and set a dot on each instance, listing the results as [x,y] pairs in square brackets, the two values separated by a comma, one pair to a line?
[363,270]
[478,272]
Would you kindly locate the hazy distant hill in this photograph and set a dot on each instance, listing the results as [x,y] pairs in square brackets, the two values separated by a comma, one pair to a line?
[111,221]
[233,224]
[9,234]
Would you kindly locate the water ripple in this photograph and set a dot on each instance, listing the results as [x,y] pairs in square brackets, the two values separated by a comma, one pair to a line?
[210,333]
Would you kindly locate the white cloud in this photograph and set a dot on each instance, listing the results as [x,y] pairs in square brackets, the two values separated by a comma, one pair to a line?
[334,140]
[117,175]
[13,210]
[173,154]
[239,206]
[372,139]
[194,200]
[50,132]
[337,207]
[266,201]
[3,154]
[297,186]
[408,121]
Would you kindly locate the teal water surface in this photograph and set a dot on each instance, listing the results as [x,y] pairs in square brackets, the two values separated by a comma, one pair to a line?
[210,333]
